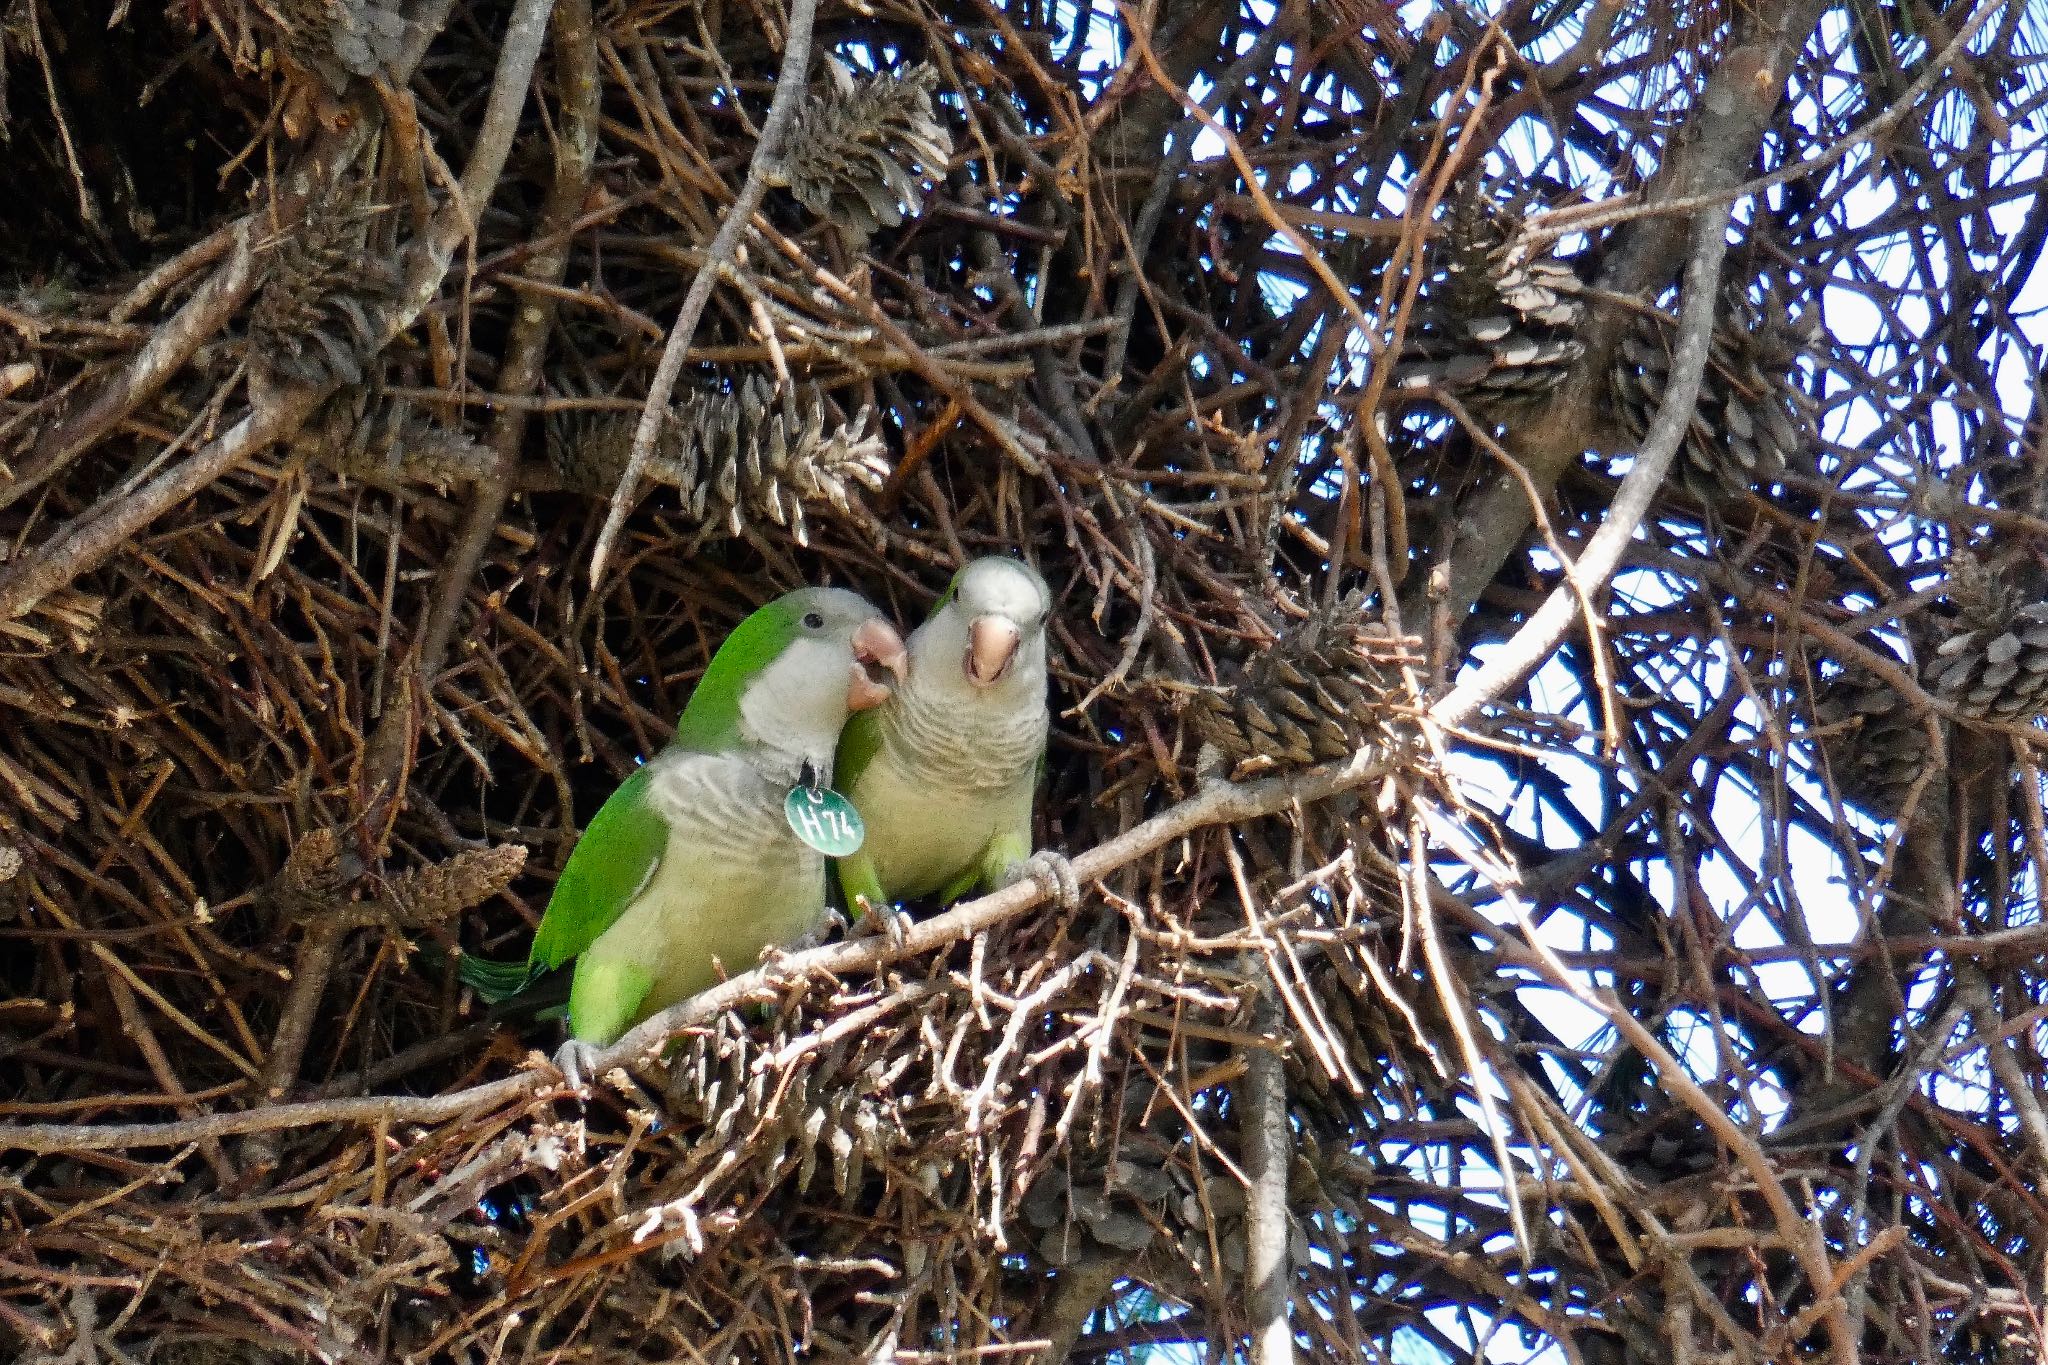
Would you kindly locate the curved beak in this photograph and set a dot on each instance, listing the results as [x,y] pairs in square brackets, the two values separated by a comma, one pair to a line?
[991,648]
[877,650]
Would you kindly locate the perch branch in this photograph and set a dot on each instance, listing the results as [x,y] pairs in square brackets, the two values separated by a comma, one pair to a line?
[1219,803]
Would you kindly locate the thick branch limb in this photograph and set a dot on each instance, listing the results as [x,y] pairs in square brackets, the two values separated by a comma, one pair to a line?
[1734,110]
[89,539]
[1262,1128]
[204,316]
[1078,1294]
[519,375]
[1955,50]
[1526,650]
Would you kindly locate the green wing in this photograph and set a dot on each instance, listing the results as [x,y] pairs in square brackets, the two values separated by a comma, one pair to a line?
[859,742]
[609,866]
[952,588]
[495,982]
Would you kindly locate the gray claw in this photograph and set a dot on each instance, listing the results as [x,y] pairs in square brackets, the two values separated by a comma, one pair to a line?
[572,1057]
[872,919]
[818,933]
[1056,876]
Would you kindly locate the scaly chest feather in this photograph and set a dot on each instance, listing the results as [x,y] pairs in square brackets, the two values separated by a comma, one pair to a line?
[945,781]
[733,881]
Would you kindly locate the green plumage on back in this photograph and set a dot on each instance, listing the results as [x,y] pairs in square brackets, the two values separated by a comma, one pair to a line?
[610,863]
[616,856]
[622,846]
[619,852]
[690,870]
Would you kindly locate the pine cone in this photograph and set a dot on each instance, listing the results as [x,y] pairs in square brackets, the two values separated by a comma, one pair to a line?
[439,891]
[1491,325]
[859,152]
[321,311]
[336,39]
[733,455]
[1877,746]
[1995,665]
[318,873]
[1098,1204]
[1750,423]
[380,440]
[1322,690]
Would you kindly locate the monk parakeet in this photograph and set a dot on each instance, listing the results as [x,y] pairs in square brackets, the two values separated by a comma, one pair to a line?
[710,852]
[943,774]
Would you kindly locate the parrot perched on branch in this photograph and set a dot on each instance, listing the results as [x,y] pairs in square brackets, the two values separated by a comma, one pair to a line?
[944,773]
[715,849]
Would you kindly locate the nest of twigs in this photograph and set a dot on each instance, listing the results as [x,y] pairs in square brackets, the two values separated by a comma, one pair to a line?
[335,714]
[335,597]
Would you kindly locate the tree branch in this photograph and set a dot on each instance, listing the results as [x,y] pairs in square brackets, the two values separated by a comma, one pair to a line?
[519,377]
[88,539]
[1734,109]
[204,315]
[1262,1129]
[1526,650]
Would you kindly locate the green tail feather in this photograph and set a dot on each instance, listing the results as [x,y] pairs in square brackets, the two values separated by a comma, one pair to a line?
[495,982]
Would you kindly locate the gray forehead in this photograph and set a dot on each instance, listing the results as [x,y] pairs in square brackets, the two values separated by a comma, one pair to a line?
[1004,586]
[836,605]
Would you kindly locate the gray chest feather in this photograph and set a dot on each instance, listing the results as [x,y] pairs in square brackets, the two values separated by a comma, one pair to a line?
[724,809]
[964,747]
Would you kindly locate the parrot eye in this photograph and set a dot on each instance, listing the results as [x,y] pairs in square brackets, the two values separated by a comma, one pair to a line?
[813,621]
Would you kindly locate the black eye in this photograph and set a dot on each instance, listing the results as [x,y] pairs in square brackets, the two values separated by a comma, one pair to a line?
[813,621]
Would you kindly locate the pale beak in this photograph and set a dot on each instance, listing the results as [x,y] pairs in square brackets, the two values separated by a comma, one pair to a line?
[991,647]
[876,646]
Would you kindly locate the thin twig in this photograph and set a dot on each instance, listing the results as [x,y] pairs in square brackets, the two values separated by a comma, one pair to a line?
[790,84]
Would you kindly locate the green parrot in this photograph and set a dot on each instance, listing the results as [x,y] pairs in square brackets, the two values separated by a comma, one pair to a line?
[944,773]
[694,865]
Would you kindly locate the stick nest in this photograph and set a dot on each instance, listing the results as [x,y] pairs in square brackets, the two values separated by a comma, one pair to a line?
[307,687]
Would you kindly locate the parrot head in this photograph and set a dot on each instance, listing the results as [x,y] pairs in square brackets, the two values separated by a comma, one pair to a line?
[994,617]
[789,675]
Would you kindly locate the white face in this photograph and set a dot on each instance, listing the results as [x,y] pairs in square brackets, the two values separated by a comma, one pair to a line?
[990,638]
[799,703]
[1005,588]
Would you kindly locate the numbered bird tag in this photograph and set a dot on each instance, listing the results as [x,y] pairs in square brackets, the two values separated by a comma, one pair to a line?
[824,819]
